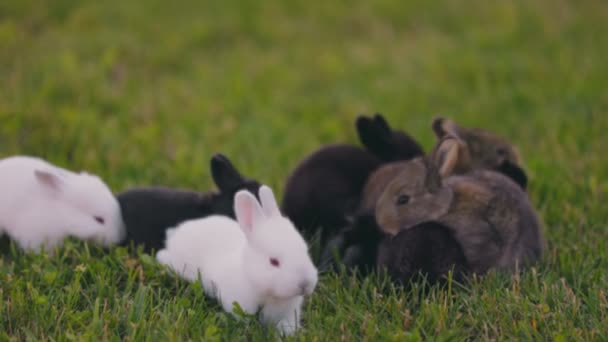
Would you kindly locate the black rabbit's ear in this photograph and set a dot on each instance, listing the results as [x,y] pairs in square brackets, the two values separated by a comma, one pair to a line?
[225,175]
[363,123]
[516,173]
[381,124]
[373,134]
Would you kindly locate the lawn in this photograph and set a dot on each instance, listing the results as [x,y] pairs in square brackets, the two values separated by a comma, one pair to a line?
[144,92]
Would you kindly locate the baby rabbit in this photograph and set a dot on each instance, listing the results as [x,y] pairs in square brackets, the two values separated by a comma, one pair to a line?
[325,188]
[42,204]
[149,212]
[488,214]
[261,262]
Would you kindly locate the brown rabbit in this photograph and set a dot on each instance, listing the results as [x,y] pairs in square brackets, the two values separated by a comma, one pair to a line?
[485,151]
[489,215]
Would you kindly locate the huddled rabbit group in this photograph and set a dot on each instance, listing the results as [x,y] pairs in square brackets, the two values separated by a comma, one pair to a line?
[387,207]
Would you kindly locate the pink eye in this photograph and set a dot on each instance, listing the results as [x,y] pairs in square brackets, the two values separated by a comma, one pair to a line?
[99,219]
[275,262]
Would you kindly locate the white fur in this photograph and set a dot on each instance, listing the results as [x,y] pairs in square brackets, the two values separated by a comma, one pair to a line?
[233,259]
[41,205]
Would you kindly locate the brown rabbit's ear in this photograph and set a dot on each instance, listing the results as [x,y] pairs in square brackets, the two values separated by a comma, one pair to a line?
[432,181]
[451,156]
[444,127]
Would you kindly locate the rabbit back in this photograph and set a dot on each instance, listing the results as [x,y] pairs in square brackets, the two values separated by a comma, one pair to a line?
[326,187]
[493,220]
[148,212]
[202,245]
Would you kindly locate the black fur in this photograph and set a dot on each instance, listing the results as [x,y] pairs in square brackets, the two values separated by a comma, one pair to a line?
[356,246]
[149,212]
[426,250]
[325,188]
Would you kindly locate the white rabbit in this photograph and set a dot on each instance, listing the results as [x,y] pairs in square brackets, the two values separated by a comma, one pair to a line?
[41,204]
[261,262]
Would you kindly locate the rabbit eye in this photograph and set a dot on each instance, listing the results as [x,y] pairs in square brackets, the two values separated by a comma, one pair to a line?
[274,262]
[403,199]
[501,151]
[99,219]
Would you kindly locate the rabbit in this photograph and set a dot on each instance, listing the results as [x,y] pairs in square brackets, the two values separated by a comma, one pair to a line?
[148,212]
[325,188]
[489,215]
[43,204]
[490,152]
[259,261]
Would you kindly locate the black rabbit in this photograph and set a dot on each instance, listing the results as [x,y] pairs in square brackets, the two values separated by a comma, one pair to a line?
[325,189]
[149,211]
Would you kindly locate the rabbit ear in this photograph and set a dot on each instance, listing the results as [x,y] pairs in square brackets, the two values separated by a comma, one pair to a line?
[225,175]
[444,127]
[248,211]
[269,203]
[433,180]
[374,133]
[49,180]
[451,155]
[381,123]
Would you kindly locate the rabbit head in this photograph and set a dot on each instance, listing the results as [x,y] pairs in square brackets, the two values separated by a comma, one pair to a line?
[228,180]
[417,194]
[487,150]
[276,256]
[93,211]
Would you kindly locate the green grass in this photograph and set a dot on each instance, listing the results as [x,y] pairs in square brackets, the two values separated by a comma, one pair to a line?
[145,92]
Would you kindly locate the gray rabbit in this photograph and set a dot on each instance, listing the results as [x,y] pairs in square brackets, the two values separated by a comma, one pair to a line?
[489,215]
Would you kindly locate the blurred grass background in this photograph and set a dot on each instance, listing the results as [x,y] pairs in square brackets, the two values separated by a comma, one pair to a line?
[144,92]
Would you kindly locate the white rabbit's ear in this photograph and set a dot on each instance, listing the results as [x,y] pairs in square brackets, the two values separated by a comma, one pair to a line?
[49,180]
[248,211]
[269,203]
